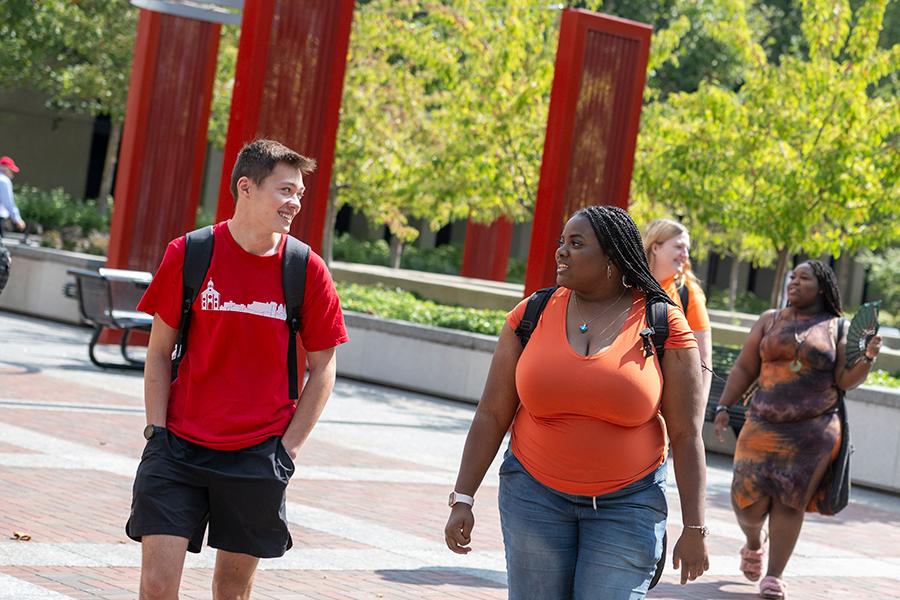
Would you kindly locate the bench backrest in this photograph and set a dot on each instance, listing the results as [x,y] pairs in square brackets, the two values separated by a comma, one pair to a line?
[94,297]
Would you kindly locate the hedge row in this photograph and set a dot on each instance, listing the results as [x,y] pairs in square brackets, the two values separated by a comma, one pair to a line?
[402,305]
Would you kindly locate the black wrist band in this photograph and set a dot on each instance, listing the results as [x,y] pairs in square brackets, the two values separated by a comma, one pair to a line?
[721,408]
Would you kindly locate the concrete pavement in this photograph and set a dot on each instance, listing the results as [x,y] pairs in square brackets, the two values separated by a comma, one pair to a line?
[367,504]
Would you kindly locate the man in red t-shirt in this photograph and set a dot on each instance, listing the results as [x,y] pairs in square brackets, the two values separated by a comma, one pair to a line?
[222,437]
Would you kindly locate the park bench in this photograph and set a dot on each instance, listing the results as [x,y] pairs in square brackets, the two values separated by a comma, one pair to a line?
[723,358]
[107,299]
[736,414]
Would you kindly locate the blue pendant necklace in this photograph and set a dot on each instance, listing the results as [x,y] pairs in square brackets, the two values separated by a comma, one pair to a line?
[585,325]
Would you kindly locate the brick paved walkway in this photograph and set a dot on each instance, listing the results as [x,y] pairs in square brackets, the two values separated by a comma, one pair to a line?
[367,505]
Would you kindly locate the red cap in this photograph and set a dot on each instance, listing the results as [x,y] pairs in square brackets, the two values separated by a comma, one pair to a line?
[6,161]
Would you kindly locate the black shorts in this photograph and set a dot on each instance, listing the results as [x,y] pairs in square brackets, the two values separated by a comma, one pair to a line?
[180,487]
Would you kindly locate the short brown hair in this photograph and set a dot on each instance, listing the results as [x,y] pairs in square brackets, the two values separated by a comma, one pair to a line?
[259,158]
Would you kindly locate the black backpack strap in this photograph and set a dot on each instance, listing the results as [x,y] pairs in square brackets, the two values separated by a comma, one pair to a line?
[684,294]
[198,250]
[293,282]
[657,331]
[536,304]
[838,334]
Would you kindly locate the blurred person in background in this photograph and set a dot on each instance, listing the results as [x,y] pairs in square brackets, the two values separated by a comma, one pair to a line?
[668,246]
[8,209]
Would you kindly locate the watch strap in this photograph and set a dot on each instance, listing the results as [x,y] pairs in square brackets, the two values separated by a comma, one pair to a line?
[456,497]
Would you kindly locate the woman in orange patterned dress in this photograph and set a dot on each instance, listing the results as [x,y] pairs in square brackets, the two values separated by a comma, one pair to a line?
[792,430]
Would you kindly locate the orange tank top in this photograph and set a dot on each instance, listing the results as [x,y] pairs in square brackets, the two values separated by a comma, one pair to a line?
[590,425]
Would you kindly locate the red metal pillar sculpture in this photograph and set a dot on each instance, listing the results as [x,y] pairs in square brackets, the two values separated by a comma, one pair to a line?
[164,137]
[595,108]
[289,79]
[486,250]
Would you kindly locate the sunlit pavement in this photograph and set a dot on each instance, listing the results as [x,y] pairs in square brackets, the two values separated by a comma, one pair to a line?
[367,503]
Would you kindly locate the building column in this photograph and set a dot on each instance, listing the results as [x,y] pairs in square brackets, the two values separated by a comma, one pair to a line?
[592,126]
[288,85]
[164,136]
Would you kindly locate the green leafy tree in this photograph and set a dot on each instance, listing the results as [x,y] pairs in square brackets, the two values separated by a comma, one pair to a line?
[78,54]
[445,109]
[801,159]
[884,277]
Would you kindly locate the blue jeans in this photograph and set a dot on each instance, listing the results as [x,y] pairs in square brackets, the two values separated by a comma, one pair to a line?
[560,547]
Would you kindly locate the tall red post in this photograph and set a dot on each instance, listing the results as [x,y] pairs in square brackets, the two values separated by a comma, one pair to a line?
[164,137]
[592,127]
[486,250]
[288,85]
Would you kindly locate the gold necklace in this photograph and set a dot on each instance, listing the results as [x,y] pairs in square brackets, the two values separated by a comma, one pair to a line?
[583,328]
[796,365]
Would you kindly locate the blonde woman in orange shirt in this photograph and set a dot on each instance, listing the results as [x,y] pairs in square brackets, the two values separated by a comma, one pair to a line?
[668,247]
[582,485]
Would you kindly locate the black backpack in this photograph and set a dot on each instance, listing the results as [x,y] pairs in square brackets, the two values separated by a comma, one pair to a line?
[684,294]
[5,262]
[197,256]
[654,338]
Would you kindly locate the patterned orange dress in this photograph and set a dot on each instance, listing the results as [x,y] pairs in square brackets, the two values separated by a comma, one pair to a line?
[791,425]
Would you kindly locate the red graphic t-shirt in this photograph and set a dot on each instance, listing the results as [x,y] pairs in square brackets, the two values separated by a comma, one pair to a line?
[232,386]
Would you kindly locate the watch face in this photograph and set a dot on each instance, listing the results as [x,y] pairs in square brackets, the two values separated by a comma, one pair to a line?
[452,499]
[148,432]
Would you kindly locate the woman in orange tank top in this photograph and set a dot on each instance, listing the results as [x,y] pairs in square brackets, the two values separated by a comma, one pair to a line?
[582,485]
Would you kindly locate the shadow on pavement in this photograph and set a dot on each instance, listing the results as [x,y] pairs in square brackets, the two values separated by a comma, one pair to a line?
[476,578]
[709,590]
[21,368]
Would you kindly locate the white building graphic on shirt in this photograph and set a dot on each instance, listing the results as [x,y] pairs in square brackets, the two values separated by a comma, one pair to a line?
[210,299]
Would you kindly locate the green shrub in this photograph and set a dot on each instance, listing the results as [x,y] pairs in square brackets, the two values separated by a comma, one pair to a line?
[369,252]
[446,259]
[515,270]
[746,302]
[55,209]
[401,305]
[884,278]
[443,259]
[406,306]
[723,358]
[883,378]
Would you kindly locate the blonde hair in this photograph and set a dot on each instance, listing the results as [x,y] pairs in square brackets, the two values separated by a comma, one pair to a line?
[660,231]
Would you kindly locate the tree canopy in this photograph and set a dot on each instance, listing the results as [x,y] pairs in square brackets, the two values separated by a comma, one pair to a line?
[77,53]
[801,159]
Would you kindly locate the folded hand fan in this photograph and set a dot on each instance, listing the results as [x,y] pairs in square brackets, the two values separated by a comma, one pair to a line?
[863,328]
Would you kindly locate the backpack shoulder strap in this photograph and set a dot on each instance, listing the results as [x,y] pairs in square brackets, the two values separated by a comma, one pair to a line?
[198,250]
[293,282]
[684,294]
[536,304]
[657,331]
[838,334]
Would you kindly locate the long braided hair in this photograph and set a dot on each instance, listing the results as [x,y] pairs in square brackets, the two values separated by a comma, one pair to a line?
[621,242]
[831,293]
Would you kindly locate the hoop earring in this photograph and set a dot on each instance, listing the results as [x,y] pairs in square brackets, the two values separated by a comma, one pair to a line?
[608,271]
[625,283]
